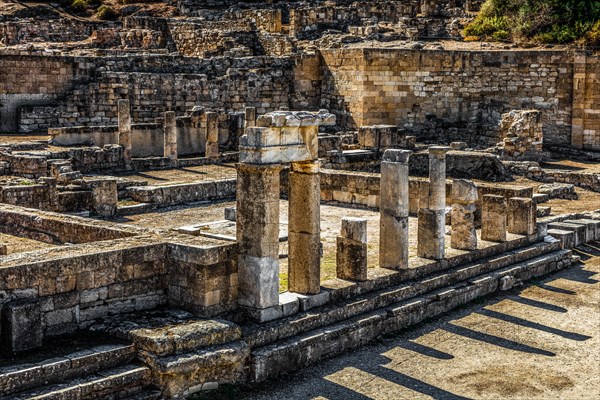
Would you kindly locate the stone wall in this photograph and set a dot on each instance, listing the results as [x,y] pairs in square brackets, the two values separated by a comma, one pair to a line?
[85,90]
[30,81]
[362,189]
[108,269]
[586,102]
[449,95]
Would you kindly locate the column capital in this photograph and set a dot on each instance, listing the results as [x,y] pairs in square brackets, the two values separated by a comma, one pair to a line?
[438,151]
[306,167]
[258,168]
[396,156]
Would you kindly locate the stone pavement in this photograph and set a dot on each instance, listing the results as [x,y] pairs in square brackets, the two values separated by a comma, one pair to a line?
[537,342]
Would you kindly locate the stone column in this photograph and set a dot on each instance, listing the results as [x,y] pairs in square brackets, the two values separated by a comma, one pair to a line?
[351,255]
[394,209]
[432,208]
[212,135]
[464,196]
[125,130]
[250,117]
[104,197]
[258,235]
[304,228]
[493,218]
[170,128]
[521,216]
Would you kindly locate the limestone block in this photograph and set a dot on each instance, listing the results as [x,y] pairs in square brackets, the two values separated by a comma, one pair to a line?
[258,281]
[125,139]
[430,233]
[250,117]
[377,137]
[230,213]
[283,136]
[104,197]
[304,254]
[21,326]
[170,132]
[493,218]
[351,255]
[521,216]
[464,195]
[212,150]
[304,228]
[393,241]
[354,229]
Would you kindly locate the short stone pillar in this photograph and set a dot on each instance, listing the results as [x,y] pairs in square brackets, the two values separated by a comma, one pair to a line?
[212,135]
[170,130]
[351,255]
[3,249]
[493,218]
[258,235]
[250,117]
[104,197]
[124,116]
[521,216]
[304,228]
[432,208]
[464,197]
[394,209]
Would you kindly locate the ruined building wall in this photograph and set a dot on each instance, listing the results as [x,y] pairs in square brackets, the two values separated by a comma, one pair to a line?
[31,81]
[85,90]
[586,102]
[447,94]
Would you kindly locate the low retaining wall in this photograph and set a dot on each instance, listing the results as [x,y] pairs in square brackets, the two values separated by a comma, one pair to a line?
[184,193]
[362,189]
[533,170]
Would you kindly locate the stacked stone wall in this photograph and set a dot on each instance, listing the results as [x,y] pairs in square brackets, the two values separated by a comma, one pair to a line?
[52,30]
[444,95]
[85,90]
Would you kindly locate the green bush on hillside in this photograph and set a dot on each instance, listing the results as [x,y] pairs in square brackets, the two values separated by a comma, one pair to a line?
[545,21]
[106,13]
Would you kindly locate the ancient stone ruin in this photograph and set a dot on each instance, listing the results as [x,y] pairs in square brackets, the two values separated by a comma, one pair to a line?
[225,192]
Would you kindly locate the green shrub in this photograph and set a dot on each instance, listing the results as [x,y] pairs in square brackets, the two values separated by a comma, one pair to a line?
[546,21]
[79,5]
[106,13]
[593,36]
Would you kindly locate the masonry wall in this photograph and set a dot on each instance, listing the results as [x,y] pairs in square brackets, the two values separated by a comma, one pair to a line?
[85,90]
[586,102]
[27,81]
[441,94]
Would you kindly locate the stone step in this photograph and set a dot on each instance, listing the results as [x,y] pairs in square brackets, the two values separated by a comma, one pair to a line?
[203,369]
[309,347]
[105,384]
[168,332]
[17,378]
[265,333]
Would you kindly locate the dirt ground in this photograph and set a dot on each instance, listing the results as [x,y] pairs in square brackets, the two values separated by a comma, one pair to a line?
[331,216]
[540,342]
[184,175]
